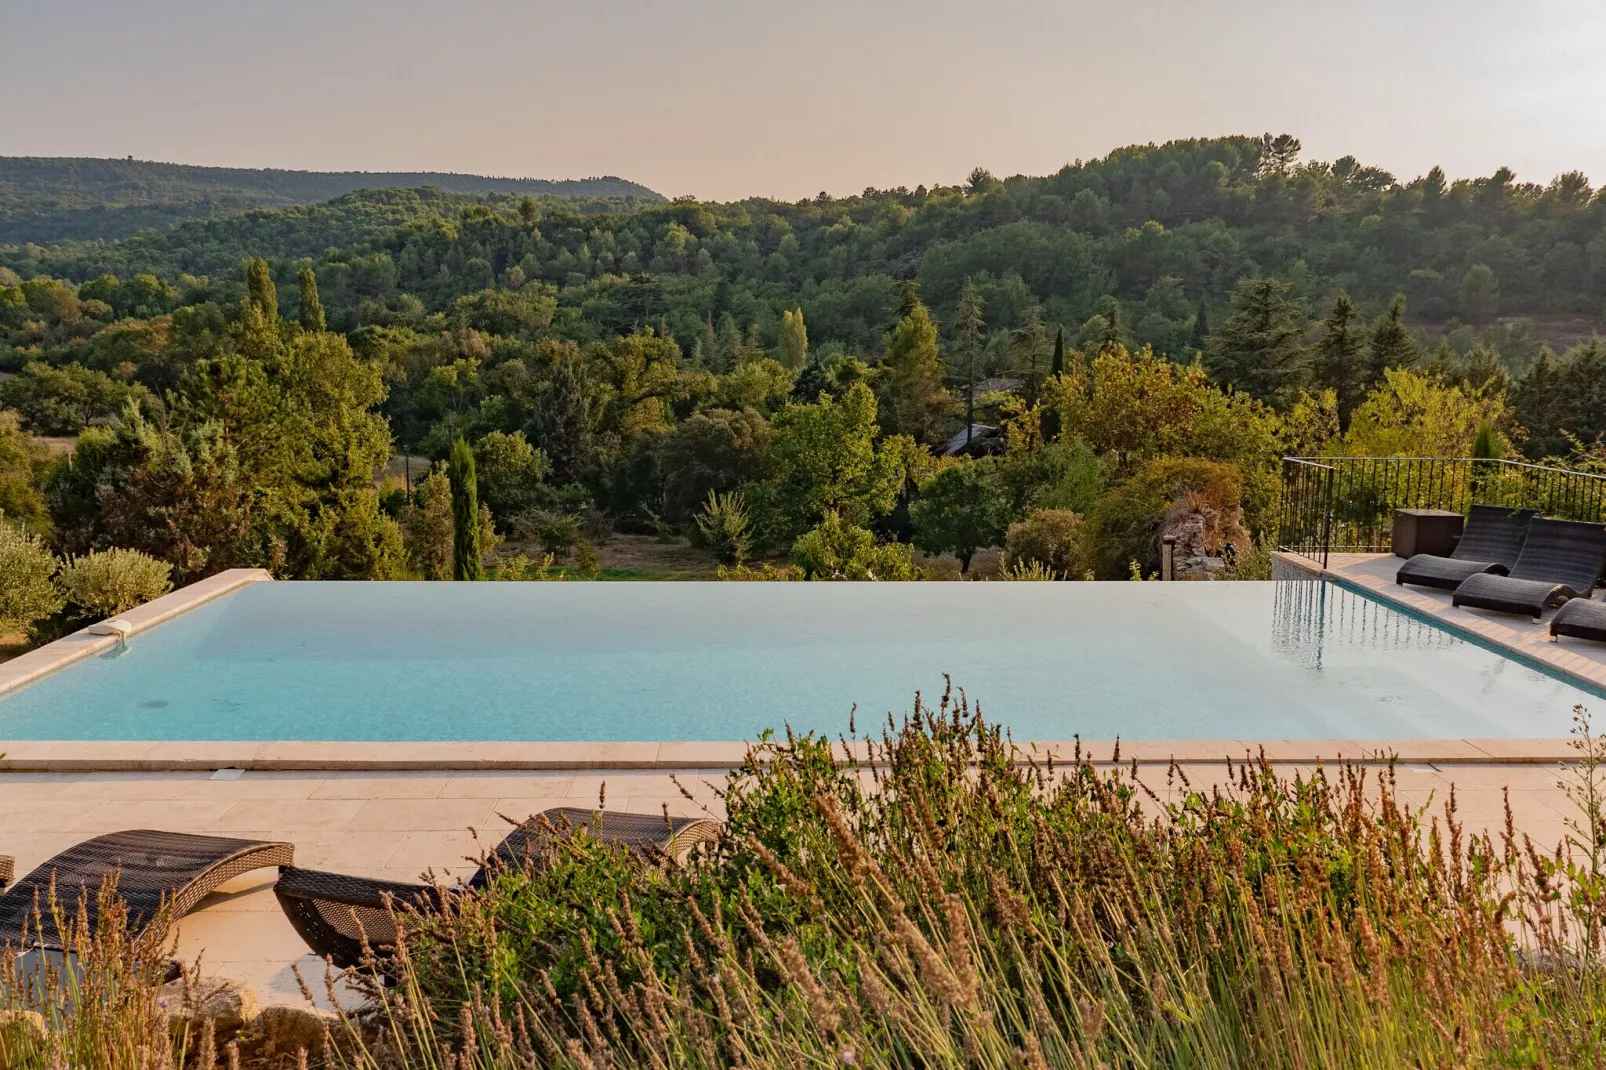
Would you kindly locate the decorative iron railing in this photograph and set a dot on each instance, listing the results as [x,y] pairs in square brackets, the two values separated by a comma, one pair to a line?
[1346,504]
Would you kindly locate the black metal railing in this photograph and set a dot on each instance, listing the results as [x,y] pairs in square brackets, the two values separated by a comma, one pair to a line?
[1346,504]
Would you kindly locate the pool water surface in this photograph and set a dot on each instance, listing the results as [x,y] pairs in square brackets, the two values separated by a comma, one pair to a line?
[721,661]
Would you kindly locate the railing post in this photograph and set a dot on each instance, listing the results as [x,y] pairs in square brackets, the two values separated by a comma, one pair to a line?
[1327,516]
[1168,553]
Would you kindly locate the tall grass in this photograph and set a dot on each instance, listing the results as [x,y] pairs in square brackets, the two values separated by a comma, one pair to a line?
[959,904]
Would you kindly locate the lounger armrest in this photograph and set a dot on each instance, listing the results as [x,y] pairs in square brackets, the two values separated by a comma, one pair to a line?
[297,883]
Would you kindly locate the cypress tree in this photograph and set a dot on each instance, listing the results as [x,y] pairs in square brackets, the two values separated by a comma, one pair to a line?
[311,313]
[1338,358]
[1056,367]
[968,329]
[793,351]
[465,513]
[1199,337]
[259,284]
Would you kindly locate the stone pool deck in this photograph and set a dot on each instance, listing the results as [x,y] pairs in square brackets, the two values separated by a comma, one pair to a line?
[398,824]
[1578,659]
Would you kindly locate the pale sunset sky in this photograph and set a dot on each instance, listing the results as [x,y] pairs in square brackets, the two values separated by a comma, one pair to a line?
[725,99]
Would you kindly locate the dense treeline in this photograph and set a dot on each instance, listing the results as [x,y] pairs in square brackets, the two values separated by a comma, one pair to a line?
[54,199]
[1060,366]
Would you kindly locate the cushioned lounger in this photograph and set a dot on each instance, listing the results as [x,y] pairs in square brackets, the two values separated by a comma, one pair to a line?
[1560,559]
[1582,618]
[1491,542]
[156,872]
[334,913]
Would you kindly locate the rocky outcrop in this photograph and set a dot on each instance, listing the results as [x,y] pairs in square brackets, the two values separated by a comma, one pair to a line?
[1202,530]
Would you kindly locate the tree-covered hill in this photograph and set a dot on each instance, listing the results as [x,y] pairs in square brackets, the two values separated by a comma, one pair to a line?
[55,199]
[1141,334]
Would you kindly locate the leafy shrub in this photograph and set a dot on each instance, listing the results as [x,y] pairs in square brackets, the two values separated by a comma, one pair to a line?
[1125,524]
[511,474]
[837,550]
[109,582]
[556,532]
[723,527]
[1050,539]
[28,592]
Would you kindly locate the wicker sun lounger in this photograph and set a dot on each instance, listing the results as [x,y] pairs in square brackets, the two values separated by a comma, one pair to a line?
[1561,559]
[1491,542]
[159,874]
[1581,618]
[334,913]
[8,871]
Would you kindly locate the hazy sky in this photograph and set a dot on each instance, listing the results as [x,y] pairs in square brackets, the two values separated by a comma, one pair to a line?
[729,98]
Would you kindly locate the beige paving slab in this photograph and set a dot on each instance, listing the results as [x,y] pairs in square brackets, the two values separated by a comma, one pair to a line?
[34,814]
[424,814]
[289,815]
[179,815]
[260,784]
[496,783]
[391,785]
[136,785]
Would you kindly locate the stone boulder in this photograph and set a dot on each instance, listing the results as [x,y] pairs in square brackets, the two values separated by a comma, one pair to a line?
[22,1034]
[228,1005]
[288,1029]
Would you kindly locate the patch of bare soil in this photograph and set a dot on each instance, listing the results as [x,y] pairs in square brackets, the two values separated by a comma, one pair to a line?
[12,644]
[637,557]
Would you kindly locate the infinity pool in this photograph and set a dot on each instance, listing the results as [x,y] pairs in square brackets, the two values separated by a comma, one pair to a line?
[707,661]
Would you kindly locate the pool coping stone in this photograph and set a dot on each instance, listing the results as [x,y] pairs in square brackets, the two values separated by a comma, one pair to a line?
[74,756]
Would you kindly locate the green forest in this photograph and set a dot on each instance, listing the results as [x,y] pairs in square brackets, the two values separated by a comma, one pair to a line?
[841,387]
[53,199]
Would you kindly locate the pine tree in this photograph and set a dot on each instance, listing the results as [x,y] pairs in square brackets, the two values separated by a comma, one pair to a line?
[709,350]
[1391,344]
[1026,349]
[915,374]
[310,314]
[967,331]
[1199,336]
[793,351]
[1258,349]
[908,298]
[264,295]
[1339,358]
[465,513]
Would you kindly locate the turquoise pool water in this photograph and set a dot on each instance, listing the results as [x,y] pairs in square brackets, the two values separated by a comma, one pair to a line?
[703,661]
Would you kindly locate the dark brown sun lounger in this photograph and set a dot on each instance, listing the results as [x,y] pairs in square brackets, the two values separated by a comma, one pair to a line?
[334,912]
[1581,618]
[159,875]
[1560,559]
[1491,542]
